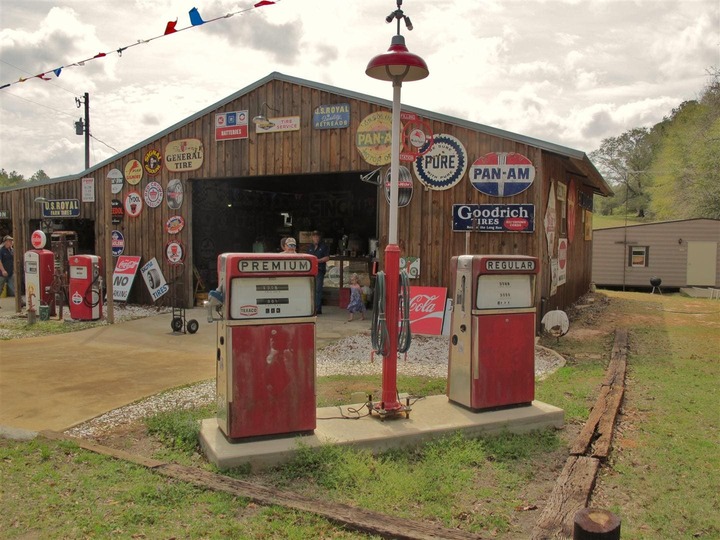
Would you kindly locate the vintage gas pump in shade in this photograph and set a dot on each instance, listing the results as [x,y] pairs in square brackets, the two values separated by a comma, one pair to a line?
[492,331]
[39,269]
[265,343]
[85,287]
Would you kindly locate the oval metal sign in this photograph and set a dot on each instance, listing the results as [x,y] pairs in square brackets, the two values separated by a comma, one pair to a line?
[175,194]
[133,172]
[152,162]
[116,180]
[133,204]
[117,243]
[444,165]
[502,174]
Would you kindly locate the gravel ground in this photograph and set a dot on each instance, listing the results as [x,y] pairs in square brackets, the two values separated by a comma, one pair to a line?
[350,356]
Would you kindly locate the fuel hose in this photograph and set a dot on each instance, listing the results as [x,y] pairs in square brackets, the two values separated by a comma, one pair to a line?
[378,329]
[404,334]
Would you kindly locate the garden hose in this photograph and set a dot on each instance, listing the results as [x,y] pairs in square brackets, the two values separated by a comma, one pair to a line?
[404,334]
[378,329]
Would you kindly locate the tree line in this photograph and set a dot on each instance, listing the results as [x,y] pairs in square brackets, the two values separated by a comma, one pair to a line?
[9,179]
[669,171]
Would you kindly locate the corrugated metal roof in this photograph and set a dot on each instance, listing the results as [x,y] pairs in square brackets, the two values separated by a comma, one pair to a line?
[579,158]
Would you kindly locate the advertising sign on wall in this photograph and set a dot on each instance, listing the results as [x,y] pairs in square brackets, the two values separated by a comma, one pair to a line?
[550,220]
[562,260]
[116,180]
[133,172]
[231,125]
[280,123]
[153,194]
[154,279]
[88,189]
[427,310]
[502,174]
[331,116]
[374,138]
[117,210]
[133,204]
[124,275]
[444,165]
[117,243]
[59,208]
[184,155]
[175,194]
[494,217]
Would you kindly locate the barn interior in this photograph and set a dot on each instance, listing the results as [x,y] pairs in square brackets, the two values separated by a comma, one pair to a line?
[253,214]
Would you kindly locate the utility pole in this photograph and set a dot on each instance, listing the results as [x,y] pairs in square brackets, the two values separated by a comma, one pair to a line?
[81,127]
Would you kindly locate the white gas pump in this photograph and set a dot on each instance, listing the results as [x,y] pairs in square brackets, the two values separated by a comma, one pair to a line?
[491,362]
[264,305]
[39,265]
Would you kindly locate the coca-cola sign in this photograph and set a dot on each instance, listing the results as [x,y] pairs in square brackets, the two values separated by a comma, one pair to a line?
[427,310]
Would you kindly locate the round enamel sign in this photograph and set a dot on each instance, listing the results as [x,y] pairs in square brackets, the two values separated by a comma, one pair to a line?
[116,180]
[405,186]
[175,224]
[152,162]
[175,252]
[38,239]
[374,137]
[133,172]
[133,204]
[153,194]
[444,165]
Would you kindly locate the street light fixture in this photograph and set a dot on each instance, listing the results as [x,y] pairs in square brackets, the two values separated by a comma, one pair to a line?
[396,65]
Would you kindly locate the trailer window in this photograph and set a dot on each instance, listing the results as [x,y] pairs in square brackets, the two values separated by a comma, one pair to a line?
[638,256]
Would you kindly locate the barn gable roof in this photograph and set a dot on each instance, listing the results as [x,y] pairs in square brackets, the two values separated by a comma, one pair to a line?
[581,161]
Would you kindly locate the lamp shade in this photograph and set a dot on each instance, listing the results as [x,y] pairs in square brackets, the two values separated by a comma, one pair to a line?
[397,63]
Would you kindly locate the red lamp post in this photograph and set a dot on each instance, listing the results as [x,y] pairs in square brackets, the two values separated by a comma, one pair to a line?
[396,65]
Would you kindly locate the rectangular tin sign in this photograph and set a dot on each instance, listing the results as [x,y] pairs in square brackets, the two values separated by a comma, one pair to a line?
[494,217]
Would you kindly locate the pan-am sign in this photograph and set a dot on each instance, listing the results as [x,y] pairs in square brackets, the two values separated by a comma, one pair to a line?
[502,174]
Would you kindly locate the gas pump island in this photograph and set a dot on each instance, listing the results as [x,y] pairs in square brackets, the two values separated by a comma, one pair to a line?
[265,344]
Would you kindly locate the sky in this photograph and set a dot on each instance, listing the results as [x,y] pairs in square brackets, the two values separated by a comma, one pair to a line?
[570,72]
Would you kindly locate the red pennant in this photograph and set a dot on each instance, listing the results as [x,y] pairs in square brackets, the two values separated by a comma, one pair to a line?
[170,28]
[264,3]
[43,77]
[100,55]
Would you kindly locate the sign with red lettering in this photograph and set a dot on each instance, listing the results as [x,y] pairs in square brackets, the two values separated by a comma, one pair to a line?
[124,275]
[427,310]
[231,125]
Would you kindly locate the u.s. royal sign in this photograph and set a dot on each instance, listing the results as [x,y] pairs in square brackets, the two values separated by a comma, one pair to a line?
[494,217]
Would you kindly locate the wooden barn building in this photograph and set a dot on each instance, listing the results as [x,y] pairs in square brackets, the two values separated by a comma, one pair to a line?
[225,180]
[682,253]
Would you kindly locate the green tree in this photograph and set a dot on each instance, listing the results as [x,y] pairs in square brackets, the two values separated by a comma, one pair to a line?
[8,179]
[624,161]
[688,161]
[40,175]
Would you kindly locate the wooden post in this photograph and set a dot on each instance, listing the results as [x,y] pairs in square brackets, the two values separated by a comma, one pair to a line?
[596,524]
[109,266]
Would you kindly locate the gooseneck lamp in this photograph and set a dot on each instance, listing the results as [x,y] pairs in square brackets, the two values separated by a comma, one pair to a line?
[396,65]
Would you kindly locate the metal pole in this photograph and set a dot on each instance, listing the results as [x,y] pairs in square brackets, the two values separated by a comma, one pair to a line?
[87,131]
[625,244]
[392,265]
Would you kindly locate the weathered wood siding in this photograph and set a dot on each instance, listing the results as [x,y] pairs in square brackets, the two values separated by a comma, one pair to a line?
[425,226]
[667,256]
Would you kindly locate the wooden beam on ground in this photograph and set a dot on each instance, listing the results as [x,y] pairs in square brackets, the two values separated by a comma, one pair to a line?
[600,423]
[570,494]
[350,517]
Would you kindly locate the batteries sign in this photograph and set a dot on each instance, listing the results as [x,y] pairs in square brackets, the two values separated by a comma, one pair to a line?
[231,125]
[494,217]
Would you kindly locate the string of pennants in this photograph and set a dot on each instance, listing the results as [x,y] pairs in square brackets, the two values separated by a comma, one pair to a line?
[195,20]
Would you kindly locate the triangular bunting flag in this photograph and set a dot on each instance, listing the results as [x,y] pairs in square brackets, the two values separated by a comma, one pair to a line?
[100,55]
[195,17]
[57,71]
[43,77]
[264,3]
[170,28]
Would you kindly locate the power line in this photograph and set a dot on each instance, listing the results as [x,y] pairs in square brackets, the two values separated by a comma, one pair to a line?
[28,73]
[106,144]
[38,104]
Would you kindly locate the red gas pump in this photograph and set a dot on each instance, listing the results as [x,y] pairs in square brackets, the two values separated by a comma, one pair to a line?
[265,344]
[39,269]
[492,334]
[85,287]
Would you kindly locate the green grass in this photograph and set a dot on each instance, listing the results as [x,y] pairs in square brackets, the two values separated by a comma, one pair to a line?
[666,473]
[605,222]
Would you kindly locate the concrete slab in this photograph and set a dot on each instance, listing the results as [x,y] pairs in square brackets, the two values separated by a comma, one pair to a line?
[430,418]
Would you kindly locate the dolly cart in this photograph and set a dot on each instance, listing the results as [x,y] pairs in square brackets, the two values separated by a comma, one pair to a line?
[179,322]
